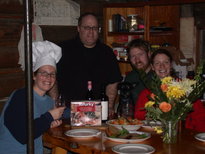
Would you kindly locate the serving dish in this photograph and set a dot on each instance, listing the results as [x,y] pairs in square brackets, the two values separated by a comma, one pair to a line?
[134,137]
[135,125]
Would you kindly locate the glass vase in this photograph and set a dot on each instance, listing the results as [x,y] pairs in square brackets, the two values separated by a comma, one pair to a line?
[170,131]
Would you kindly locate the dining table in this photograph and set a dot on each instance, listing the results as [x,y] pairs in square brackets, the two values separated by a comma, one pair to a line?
[60,143]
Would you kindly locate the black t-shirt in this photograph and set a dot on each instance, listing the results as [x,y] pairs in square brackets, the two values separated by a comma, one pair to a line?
[80,64]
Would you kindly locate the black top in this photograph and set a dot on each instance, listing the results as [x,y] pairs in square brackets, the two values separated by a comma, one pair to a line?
[80,64]
[15,118]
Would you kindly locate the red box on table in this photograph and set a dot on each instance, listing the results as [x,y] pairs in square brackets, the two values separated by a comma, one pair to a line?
[86,113]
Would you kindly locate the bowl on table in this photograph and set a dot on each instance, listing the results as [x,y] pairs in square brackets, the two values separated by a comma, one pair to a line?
[132,125]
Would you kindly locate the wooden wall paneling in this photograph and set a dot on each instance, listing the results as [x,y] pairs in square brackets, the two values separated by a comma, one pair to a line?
[169,18]
[10,79]
[125,67]
[164,15]
[8,57]
[147,23]
[12,8]
[139,11]
[11,21]
[106,17]
[10,30]
[58,34]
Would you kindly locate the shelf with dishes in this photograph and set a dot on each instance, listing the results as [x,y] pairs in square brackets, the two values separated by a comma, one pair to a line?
[156,23]
[125,33]
[152,32]
[145,21]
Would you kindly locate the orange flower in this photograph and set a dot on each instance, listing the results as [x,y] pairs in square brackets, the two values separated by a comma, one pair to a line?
[152,95]
[165,107]
[164,87]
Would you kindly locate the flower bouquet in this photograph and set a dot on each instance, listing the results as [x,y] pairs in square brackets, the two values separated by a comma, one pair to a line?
[171,99]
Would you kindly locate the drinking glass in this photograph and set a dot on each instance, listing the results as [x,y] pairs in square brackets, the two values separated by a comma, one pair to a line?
[59,101]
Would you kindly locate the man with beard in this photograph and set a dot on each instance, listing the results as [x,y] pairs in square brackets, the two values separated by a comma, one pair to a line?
[139,53]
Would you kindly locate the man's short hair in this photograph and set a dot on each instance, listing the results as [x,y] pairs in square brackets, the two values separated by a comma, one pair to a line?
[84,15]
[139,43]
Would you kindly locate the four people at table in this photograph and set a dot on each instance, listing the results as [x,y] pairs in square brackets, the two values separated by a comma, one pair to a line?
[84,58]
[13,120]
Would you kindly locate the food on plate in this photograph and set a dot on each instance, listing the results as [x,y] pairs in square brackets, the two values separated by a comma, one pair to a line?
[114,132]
[125,121]
[123,133]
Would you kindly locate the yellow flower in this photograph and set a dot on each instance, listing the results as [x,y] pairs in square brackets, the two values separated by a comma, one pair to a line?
[186,85]
[149,104]
[175,92]
[166,80]
[158,129]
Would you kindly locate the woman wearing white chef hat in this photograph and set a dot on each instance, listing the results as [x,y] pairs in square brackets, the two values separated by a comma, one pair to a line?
[13,124]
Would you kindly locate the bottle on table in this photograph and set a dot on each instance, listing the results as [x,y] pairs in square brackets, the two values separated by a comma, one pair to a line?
[126,105]
[126,108]
[89,94]
[104,104]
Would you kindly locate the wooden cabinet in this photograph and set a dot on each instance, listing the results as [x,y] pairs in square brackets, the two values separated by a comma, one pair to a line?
[163,16]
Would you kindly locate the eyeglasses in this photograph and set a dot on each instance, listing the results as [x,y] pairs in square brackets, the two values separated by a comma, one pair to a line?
[88,28]
[46,75]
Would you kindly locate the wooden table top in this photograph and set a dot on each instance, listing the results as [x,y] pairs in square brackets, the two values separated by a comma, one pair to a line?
[186,143]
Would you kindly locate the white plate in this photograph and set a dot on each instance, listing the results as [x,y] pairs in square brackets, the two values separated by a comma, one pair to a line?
[128,127]
[133,149]
[131,140]
[83,133]
[200,137]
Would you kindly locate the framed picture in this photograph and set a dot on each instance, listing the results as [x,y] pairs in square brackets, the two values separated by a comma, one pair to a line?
[56,12]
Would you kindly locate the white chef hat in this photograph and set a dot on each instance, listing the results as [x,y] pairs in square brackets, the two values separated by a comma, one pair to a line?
[45,53]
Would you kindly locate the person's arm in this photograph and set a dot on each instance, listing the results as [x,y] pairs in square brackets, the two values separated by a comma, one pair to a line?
[111,92]
[15,119]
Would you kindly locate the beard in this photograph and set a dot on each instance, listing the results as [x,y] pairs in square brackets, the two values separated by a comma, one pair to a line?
[141,66]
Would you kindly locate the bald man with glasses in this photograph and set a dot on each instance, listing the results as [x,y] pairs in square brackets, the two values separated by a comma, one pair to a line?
[85,59]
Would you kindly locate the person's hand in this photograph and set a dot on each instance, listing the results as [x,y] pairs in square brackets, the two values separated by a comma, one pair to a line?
[55,123]
[57,112]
